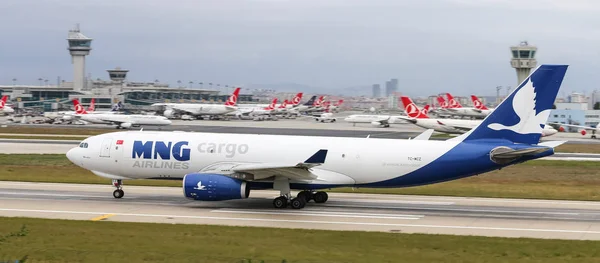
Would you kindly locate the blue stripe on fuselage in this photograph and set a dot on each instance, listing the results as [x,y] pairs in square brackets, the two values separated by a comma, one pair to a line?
[464,160]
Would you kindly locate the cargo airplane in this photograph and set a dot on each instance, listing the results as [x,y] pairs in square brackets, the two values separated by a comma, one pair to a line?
[220,166]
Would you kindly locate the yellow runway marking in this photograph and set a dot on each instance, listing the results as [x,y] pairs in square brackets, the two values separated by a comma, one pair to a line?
[102,217]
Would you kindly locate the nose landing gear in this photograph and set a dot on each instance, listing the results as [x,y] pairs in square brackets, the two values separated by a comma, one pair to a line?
[119,193]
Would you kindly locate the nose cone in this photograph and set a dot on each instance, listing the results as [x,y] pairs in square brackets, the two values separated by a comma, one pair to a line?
[72,155]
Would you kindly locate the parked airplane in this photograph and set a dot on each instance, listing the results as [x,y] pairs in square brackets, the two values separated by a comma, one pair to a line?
[336,106]
[197,109]
[451,126]
[306,105]
[122,121]
[382,121]
[218,166]
[480,106]
[455,108]
[4,108]
[256,111]
[582,128]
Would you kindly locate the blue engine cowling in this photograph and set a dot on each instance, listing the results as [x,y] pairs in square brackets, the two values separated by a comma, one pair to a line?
[214,187]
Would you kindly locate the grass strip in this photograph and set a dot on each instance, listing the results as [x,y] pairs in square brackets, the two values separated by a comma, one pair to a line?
[52,240]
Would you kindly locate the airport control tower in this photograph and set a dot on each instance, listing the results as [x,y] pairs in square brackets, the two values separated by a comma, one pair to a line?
[79,47]
[523,60]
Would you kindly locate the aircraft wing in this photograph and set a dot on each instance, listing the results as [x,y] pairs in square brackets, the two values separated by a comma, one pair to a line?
[574,126]
[424,136]
[258,171]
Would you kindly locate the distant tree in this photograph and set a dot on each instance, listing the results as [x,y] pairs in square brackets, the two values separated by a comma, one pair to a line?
[597,106]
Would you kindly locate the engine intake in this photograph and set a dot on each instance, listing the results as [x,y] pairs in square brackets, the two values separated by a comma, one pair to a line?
[214,187]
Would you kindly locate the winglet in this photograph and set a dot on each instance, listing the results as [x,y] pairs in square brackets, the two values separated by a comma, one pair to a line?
[318,157]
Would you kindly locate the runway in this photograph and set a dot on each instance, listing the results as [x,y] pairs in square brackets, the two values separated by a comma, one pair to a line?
[357,212]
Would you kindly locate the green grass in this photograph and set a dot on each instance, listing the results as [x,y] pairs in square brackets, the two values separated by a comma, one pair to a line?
[48,240]
[562,180]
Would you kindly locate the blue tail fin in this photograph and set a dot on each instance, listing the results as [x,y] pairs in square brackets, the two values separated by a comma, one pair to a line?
[311,101]
[521,117]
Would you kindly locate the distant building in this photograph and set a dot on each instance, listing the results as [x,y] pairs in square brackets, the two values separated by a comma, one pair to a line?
[571,106]
[393,100]
[376,90]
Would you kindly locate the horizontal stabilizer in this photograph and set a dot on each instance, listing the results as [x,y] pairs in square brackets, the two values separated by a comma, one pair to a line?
[552,144]
[318,157]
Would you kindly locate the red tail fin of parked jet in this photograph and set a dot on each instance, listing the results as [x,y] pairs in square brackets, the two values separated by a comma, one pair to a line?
[339,103]
[296,100]
[232,101]
[92,106]
[411,109]
[452,102]
[3,101]
[284,104]
[425,110]
[78,108]
[477,103]
[442,102]
[319,102]
[272,105]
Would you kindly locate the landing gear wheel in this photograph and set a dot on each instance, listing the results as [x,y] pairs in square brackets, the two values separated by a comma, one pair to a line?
[306,195]
[118,193]
[280,202]
[320,197]
[298,203]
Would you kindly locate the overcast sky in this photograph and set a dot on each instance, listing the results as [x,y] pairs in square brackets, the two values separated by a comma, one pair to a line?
[431,46]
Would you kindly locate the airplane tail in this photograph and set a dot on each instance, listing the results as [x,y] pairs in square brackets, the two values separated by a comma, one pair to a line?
[425,110]
[272,105]
[296,99]
[311,101]
[284,104]
[411,109]
[319,102]
[118,106]
[78,108]
[339,103]
[232,101]
[520,117]
[477,103]
[3,101]
[452,102]
[92,106]
[442,102]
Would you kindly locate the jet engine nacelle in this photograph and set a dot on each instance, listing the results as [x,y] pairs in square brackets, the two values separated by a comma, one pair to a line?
[168,113]
[125,125]
[214,187]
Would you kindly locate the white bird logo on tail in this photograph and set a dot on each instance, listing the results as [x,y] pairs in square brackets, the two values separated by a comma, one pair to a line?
[525,107]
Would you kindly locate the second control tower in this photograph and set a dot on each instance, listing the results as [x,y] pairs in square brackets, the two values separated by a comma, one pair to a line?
[79,47]
[523,60]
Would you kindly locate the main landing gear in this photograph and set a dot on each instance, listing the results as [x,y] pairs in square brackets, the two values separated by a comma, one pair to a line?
[283,185]
[301,199]
[119,193]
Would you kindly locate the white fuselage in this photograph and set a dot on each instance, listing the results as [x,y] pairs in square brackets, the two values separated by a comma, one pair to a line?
[349,160]
[469,112]
[7,110]
[449,125]
[134,120]
[357,118]
[199,109]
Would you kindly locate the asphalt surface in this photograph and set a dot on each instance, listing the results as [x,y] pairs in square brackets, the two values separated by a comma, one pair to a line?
[385,213]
